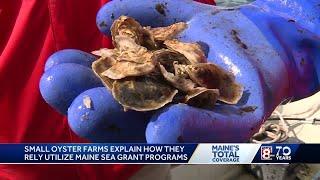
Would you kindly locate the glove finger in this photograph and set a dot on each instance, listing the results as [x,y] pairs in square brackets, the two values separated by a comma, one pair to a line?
[181,123]
[149,13]
[70,56]
[98,117]
[62,83]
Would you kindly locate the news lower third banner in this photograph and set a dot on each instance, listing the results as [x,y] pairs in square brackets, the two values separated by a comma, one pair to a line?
[159,154]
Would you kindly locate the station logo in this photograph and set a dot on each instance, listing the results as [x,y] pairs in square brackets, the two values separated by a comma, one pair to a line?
[280,153]
[266,152]
[225,153]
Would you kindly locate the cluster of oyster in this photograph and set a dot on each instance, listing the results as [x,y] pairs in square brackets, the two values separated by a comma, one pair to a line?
[148,69]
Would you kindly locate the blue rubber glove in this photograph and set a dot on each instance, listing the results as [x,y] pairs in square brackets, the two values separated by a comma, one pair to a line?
[70,86]
[271,47]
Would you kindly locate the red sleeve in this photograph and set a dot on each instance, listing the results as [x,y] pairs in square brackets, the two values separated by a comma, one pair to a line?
[212,2]
[31,30]
[34,30]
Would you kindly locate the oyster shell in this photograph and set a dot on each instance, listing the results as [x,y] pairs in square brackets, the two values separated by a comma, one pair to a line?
[127,26]
[192,51]
[101,65]
[149,69]
[125,43]
[142,94]
[196,96]
[130,51]
[181,83]
[167,58]
[169,32]
[180,69]
[202,97]
[212,77]
[122,69]
[105,52]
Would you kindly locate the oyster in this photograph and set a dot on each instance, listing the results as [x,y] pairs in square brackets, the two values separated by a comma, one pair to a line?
[167,58]
[202,97]
[169,32]
[180,69]
[196,96]
[142,94]
[192,51]
[105,52]
[101,65]
[212,77]
[134,57]
[127,26]
[130,51]
[148,69]
[125,43]
[122,69]
[181,83]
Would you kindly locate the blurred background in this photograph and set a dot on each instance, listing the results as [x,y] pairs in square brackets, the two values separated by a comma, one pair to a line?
[301,119]
[231,3]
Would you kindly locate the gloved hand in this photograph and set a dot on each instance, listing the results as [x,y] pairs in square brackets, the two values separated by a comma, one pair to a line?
[272,48]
